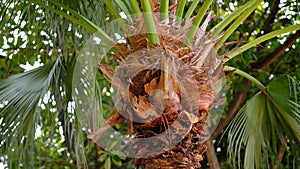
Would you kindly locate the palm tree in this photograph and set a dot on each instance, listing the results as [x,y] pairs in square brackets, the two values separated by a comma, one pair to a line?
[178,56]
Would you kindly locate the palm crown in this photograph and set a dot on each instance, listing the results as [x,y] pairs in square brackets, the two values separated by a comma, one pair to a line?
[268,124]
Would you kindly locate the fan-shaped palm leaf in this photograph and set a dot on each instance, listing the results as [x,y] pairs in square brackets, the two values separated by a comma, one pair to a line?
[21,95]
[267,120]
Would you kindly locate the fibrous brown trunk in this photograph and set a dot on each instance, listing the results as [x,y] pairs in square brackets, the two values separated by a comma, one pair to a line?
[148,87]
[166,91]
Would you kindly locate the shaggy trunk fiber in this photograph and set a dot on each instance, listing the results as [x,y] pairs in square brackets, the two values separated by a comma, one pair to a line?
[166,90]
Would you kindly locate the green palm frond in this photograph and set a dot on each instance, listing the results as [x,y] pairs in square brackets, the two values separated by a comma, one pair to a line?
[261,39]
[230,18]
[125,7]
[191,9]
[238,21]
[21,95]
[267,121]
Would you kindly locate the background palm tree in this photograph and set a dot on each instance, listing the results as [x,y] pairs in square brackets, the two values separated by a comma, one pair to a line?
[42,100]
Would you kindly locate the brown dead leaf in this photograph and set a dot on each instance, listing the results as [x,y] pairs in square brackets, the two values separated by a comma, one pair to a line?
[147,88]
[107,70]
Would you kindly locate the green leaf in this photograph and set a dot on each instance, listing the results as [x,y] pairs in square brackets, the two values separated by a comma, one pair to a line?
[263,122]
[112,8]
[107,164]
[229,18]
[120,154]
[2,71]
[124,9]
[23,92]
[263,38]
[236,23]
[104,157]
[116,160]
[287,104]
[77,18]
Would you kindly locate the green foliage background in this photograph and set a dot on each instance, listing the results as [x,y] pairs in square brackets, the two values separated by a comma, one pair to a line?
[31,34]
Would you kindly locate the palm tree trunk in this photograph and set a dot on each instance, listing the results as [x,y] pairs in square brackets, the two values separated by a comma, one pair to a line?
[144,91]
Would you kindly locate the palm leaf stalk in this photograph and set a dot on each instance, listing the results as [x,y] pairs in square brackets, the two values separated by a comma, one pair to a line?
[179,12]
[197,21]
[229,18]
[164,9]
[247,76]
[152,35]
[135,6]
[191,9]
[263,38]
[238,21]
